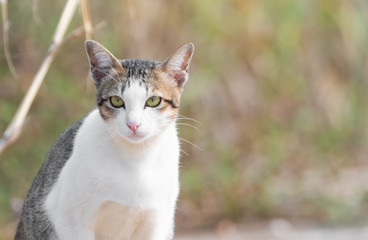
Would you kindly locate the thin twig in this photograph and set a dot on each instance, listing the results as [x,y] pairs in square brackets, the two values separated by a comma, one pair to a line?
[14,129]
[81,30]
[4,10]
[86,19]
[74,34]
[35,15]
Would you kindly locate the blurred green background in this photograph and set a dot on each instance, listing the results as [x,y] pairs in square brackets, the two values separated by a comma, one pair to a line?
[278,89]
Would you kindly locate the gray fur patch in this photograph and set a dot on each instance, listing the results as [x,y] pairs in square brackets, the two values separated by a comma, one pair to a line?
[138,70]
[34,223]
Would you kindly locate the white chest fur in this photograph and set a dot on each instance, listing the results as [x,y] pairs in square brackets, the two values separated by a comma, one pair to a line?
[111,189]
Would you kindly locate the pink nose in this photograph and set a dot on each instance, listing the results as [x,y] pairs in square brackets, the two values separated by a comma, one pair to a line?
[133,126]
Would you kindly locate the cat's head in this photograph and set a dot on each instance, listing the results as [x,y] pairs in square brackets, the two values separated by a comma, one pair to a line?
[137,98]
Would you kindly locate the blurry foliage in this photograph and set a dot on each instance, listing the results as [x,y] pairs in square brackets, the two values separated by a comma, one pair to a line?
[279,89]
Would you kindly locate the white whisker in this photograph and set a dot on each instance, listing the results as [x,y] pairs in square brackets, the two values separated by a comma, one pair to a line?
[187,124]
[109,75]
[191,143]
[181,150]
[188,118]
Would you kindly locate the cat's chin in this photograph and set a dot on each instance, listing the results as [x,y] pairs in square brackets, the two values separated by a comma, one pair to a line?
[135,138]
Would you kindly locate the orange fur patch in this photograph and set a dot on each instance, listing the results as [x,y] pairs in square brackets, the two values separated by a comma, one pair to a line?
[167,87]
[113,220]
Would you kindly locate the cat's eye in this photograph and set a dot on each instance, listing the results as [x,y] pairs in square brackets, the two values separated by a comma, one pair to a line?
[116,101]
[153,101]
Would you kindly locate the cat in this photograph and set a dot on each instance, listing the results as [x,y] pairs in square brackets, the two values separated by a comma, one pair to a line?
[114,173]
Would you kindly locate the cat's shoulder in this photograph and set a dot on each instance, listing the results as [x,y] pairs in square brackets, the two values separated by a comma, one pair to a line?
[61,151]
[64,143]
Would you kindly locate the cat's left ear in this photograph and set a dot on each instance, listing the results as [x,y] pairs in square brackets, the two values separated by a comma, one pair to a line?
[101,61]
[177,64]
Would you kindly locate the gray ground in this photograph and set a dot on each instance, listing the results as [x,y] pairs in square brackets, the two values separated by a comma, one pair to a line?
[280,230]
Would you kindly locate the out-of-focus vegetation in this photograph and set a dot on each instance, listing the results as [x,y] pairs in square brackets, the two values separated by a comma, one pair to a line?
[279,89]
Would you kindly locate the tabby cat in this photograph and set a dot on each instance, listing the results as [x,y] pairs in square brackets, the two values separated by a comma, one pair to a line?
[114,173]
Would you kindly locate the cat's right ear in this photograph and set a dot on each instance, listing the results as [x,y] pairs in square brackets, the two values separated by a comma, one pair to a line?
[177,65]
[101,61]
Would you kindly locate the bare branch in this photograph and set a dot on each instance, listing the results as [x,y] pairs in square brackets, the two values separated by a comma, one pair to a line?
[35,15]
[86,19]
[4,10]
[81,30]
[14,129]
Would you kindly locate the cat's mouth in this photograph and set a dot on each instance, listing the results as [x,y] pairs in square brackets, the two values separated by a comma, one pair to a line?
[136,137]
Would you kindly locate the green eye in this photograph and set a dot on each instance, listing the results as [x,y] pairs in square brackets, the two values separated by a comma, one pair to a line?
[117,101]
[153,101]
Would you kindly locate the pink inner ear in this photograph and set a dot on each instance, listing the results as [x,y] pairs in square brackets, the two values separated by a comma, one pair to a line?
[185,63]
[179,76]
[177,65]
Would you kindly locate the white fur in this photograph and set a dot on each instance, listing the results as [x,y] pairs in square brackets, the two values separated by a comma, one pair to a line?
[110,163]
